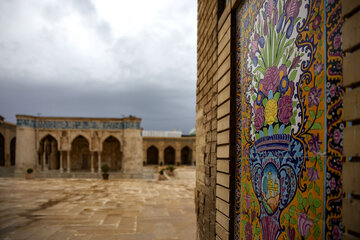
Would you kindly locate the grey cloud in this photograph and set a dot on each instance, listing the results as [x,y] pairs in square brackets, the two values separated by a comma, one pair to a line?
[160,108]
[150,74]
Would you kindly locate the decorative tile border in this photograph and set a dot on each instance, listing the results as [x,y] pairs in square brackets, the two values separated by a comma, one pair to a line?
[81,125]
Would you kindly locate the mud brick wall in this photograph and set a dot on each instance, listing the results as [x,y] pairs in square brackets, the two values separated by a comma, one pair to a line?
[351,169]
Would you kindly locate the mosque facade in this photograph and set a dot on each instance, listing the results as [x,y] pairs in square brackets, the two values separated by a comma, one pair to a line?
[69,146]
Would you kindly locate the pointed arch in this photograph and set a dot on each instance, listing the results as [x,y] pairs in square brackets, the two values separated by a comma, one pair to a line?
[81,136]
[48,148]
[111,153]
[152,154]
[12,151]
[169,155]
[186,156]
[80,153]
[2,150]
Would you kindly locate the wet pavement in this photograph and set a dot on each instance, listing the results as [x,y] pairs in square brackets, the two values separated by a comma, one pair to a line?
[97,209]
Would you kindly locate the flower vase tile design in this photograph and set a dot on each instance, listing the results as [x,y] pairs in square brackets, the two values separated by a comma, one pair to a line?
[276,103]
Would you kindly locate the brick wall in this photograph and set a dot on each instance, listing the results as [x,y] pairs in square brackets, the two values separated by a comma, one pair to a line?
[351,169]
[213,120]
[206,118]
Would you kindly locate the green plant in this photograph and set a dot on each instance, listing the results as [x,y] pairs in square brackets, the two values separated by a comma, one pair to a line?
[29,170]
[161,172]
[170,168]
[105,168]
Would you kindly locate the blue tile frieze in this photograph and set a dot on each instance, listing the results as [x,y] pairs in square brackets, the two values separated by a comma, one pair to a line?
[77,124]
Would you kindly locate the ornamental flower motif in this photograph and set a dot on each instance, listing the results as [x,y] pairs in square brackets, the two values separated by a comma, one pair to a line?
[280,23]
[259,118]
[313,174]
[261,41]
[291,89]
[285,109]
[248,231]
[318,68]
[316,23]
[291,8]
[295,62]
[332,90]
[315,143]
[291,233]
[336,233]
[337,136]
[337,41]
[271,80]
[259,98]
[332,183]
[271,111]
[314,97]
[284,84]
[304,224]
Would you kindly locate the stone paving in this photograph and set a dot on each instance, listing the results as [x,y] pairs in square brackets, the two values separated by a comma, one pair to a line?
[97,209]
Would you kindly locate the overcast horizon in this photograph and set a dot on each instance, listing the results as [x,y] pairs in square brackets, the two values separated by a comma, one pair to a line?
[100,58]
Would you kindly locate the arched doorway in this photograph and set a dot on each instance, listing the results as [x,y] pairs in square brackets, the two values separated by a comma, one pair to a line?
[12,151]
[169,155]
[80,154]
[2,150]
[152,156]
[111,154]
[49,151]
[186,156]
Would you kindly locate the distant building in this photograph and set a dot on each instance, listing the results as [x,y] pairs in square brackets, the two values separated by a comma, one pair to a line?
[168,148]
[7,143]
[64,146]
[67,144]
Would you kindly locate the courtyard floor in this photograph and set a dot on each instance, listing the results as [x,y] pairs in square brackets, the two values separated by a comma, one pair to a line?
[97,209]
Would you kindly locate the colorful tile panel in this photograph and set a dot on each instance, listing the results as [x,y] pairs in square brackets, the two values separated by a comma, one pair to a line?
[289,127]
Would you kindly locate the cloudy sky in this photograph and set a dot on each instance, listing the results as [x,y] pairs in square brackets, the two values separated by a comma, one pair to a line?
[100,58]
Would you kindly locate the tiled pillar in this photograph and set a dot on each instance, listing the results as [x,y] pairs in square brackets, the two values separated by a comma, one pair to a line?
[68,162]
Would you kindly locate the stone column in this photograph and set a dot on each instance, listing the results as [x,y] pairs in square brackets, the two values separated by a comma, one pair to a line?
[99,162]
[39,156]
[68,162]
[161,156]
[46,165]
[61,161]
[145,155]
[44,161]
[92,161]
[177,154]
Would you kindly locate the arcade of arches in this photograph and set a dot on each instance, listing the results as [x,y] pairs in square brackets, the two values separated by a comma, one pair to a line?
[7,143]
[169,150]
[79,144]
[84,144]
[81,158]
